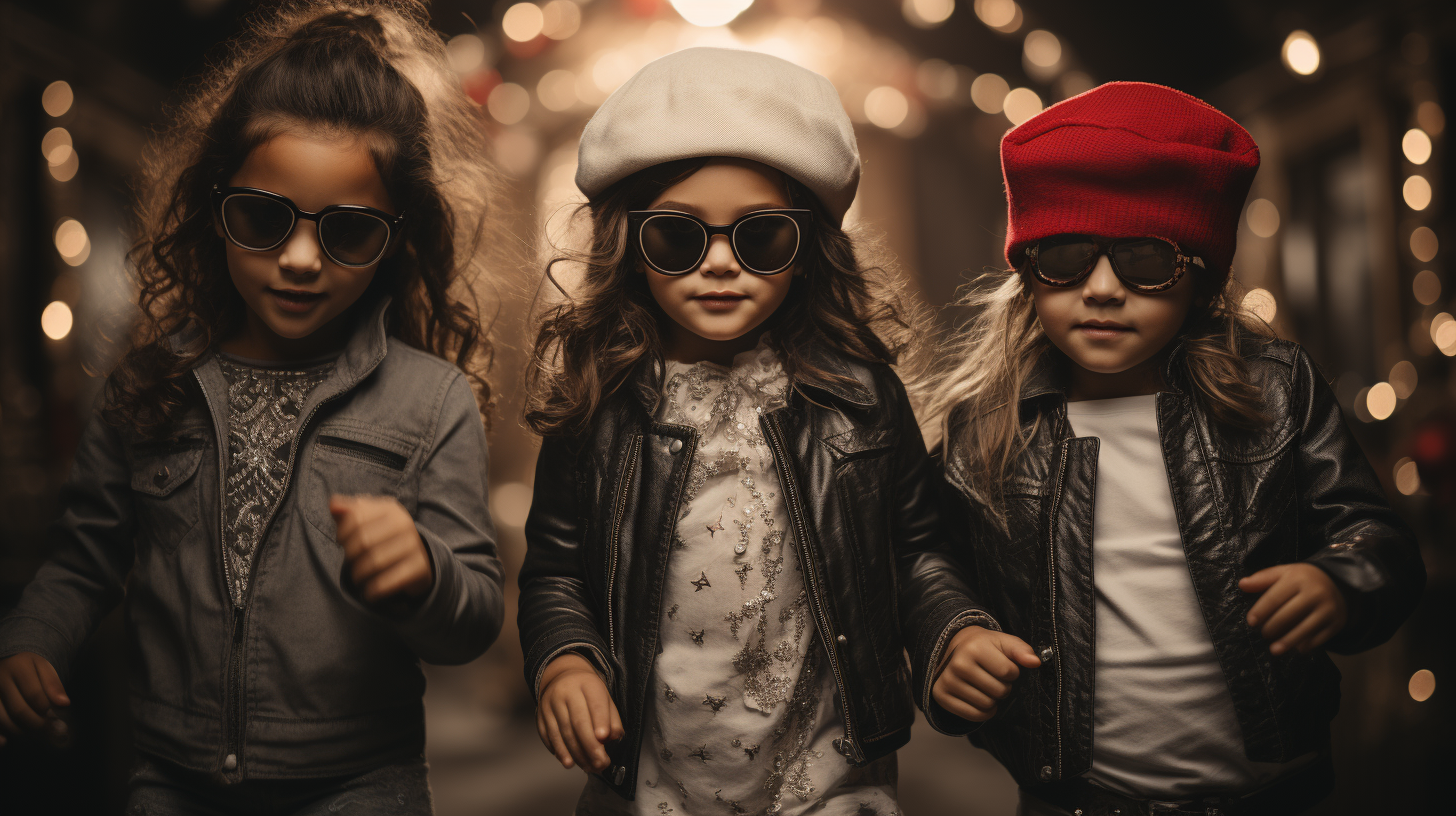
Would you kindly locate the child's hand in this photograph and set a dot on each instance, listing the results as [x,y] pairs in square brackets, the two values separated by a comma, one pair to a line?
[382,547]
[30,693]
[1301,608]
[979,670]
[576,714]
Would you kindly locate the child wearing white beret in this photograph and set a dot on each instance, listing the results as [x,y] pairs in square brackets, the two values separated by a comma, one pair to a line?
[734,513]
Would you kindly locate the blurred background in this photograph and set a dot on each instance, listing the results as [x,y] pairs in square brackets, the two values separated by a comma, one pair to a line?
[1344,248]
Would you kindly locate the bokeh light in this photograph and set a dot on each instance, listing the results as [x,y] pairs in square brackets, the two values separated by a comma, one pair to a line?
[1021,104]
[1262,217]
[72,242]
[508,103]
[56,320]
[927,13]
[510,503]
[1407,477]
[1002,15]
[523,22]
[1417,193]
[56,99]
[1431,118]
[557,90]
[1416,146]
[886,107]
[1403,379]
[1424,244]
[988,92]
[1042,48]
[466,53]
[1261,304]
[560,19]
[1380,401]
[710,13]
[56,145]
[1427,287]
[1422,685]
[66,170]
[1301,53]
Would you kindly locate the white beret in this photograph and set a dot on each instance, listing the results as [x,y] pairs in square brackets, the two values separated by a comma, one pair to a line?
[724,102]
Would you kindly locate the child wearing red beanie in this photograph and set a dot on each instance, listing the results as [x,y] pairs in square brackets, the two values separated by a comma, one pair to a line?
[1155,497]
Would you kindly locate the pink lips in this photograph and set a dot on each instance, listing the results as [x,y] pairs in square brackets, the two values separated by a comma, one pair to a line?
[720,301]
[297,301]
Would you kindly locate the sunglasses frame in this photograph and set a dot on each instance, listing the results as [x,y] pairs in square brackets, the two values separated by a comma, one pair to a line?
[392,223]
[637,219]
[1105,246]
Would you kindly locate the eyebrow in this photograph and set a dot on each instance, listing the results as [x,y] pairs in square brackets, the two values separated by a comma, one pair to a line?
[742,211]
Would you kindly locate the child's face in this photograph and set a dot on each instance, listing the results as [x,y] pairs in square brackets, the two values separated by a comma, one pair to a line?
[1105,327]
[296,295]
[717,309]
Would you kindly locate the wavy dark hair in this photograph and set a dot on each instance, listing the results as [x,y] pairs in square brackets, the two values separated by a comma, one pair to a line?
[370,70]
[592,343]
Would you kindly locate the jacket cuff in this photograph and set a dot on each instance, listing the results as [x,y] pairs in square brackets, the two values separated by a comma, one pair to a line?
[22,633]
[1357,579]
[939,718]
[586,650]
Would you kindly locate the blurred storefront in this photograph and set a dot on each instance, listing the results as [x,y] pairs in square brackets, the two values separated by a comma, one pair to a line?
[1343,248]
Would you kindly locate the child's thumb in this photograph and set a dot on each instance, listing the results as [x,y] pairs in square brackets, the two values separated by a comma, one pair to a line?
[51,682]
[1021,652]
[339,504]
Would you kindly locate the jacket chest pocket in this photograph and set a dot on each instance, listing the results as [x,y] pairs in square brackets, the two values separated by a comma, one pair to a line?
[348,462]
[166,491]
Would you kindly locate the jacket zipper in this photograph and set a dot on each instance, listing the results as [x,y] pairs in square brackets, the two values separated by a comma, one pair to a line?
[1052,578]
[234,726]
[851,748]
[389,459]
[615,547]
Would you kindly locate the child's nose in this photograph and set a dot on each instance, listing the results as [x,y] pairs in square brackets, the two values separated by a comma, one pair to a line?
[719,260]
[301,253]
[1103,285]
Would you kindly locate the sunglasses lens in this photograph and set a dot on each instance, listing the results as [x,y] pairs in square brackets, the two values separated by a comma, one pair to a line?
[1065,258]
[1145,262]
[256,222]
[353,238]
[767,243]
[672,243]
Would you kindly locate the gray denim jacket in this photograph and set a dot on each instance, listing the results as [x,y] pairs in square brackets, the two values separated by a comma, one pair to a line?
[303,680]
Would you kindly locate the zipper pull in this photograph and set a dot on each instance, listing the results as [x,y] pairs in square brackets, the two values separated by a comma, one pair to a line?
[237,624]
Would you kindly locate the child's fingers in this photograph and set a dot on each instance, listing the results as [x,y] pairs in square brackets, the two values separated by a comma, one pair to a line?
[28,682]
[959,707]
[402,576]
[1263,579]
[51,682]
[599,706]
[14,703]
[618,730]
[1295,638]
[1272,599]
[1319,638]
[985,682]
[967,693]
[591,755]
[340,504]
[1288,616]
[557,743]
[567,728]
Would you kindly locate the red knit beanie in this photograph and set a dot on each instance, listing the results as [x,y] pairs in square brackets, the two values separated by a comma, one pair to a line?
[1129,159]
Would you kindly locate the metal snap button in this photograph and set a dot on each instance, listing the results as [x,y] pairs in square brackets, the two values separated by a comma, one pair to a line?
[675,446]
[619,774]
[1046,655]
[842,639]
[161,479]
[1046,773]
[230,763]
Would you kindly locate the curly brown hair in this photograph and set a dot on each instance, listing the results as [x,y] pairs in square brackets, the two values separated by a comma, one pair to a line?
[371,69]
[592,343]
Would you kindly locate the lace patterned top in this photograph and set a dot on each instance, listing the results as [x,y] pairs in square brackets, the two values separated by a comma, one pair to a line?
[745,707]
[263,418]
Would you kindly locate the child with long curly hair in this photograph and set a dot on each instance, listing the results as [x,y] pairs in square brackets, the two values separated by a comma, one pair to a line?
[286,482]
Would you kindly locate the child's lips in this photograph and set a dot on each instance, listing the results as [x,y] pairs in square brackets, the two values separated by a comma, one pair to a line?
[720,301]
[296,300]
[1103,329]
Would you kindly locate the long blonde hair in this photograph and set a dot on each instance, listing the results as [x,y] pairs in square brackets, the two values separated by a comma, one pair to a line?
[974,401]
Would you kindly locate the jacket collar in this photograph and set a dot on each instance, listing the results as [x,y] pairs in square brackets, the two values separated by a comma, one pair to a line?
[1049,377]
[850,381]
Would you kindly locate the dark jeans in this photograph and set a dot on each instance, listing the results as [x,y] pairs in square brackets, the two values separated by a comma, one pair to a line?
[160,789]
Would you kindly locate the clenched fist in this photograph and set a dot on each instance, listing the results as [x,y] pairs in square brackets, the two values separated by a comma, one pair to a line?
[382,547]
[980,667]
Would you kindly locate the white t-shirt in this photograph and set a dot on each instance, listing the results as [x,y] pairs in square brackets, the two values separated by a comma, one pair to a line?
[1163,720]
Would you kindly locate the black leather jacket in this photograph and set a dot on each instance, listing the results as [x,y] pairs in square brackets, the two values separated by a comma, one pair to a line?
[863,499]
[1298,490]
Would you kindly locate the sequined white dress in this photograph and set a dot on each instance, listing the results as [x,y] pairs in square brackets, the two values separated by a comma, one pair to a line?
[746,709]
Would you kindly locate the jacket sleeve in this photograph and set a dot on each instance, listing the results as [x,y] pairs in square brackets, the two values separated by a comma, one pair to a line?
[462,614]
[935,599]
[555,611]
[1347,524]
[91,553]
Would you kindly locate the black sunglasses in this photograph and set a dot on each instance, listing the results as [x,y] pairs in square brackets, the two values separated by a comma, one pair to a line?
[1145,265]
[765,242]
[349,234]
